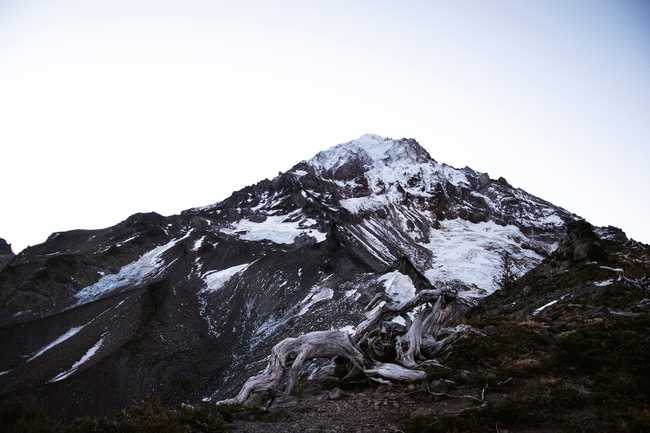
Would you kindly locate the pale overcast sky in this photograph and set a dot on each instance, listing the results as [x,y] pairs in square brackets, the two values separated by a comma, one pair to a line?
[108,108]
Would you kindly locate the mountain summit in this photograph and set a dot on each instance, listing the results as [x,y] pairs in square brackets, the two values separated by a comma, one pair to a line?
[189,305]
[369,150]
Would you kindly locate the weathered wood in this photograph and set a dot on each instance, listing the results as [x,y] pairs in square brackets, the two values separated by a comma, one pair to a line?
[396,372]
[389,311]
[427,314]
[289,355]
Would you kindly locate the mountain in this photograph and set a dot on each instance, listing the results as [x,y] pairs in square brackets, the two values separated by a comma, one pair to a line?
[186,307]
[6,254]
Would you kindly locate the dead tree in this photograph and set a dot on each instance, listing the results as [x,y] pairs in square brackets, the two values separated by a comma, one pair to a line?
[426,313]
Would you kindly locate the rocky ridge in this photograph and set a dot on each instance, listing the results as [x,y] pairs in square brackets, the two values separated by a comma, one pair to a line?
[6,254]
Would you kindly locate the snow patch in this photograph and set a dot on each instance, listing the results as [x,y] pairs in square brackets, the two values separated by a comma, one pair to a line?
[68,334]
[279,229]
[545,306]
[89,354]
[603,283]
[119,244]
[352,293]
[398,287]
[363,204]
[317,294]
[471,252]
[198,243]
[150,264]
[551,219]
[215,280]
[607,268]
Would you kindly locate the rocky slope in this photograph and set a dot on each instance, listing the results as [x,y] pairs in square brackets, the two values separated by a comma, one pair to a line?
[564,349]
[187,306]
[6,254]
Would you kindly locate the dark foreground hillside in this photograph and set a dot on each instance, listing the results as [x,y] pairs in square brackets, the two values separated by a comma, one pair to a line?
[564,349]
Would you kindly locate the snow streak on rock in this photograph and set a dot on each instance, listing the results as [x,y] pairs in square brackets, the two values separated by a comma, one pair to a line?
[148,265]
[89,354]
[69,334]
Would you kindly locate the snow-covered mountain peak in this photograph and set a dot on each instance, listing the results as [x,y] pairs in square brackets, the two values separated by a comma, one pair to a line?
[383,169]
[368,148]
[368,151]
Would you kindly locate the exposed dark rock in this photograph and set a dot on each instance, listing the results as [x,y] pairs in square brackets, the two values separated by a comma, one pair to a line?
[6,254]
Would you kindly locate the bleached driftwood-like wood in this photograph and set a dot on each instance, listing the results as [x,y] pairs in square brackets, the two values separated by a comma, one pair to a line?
[289,355]
[388,311]
[396,372]
[426,313]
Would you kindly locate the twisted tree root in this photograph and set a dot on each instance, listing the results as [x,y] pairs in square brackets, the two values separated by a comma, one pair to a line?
[430,310]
